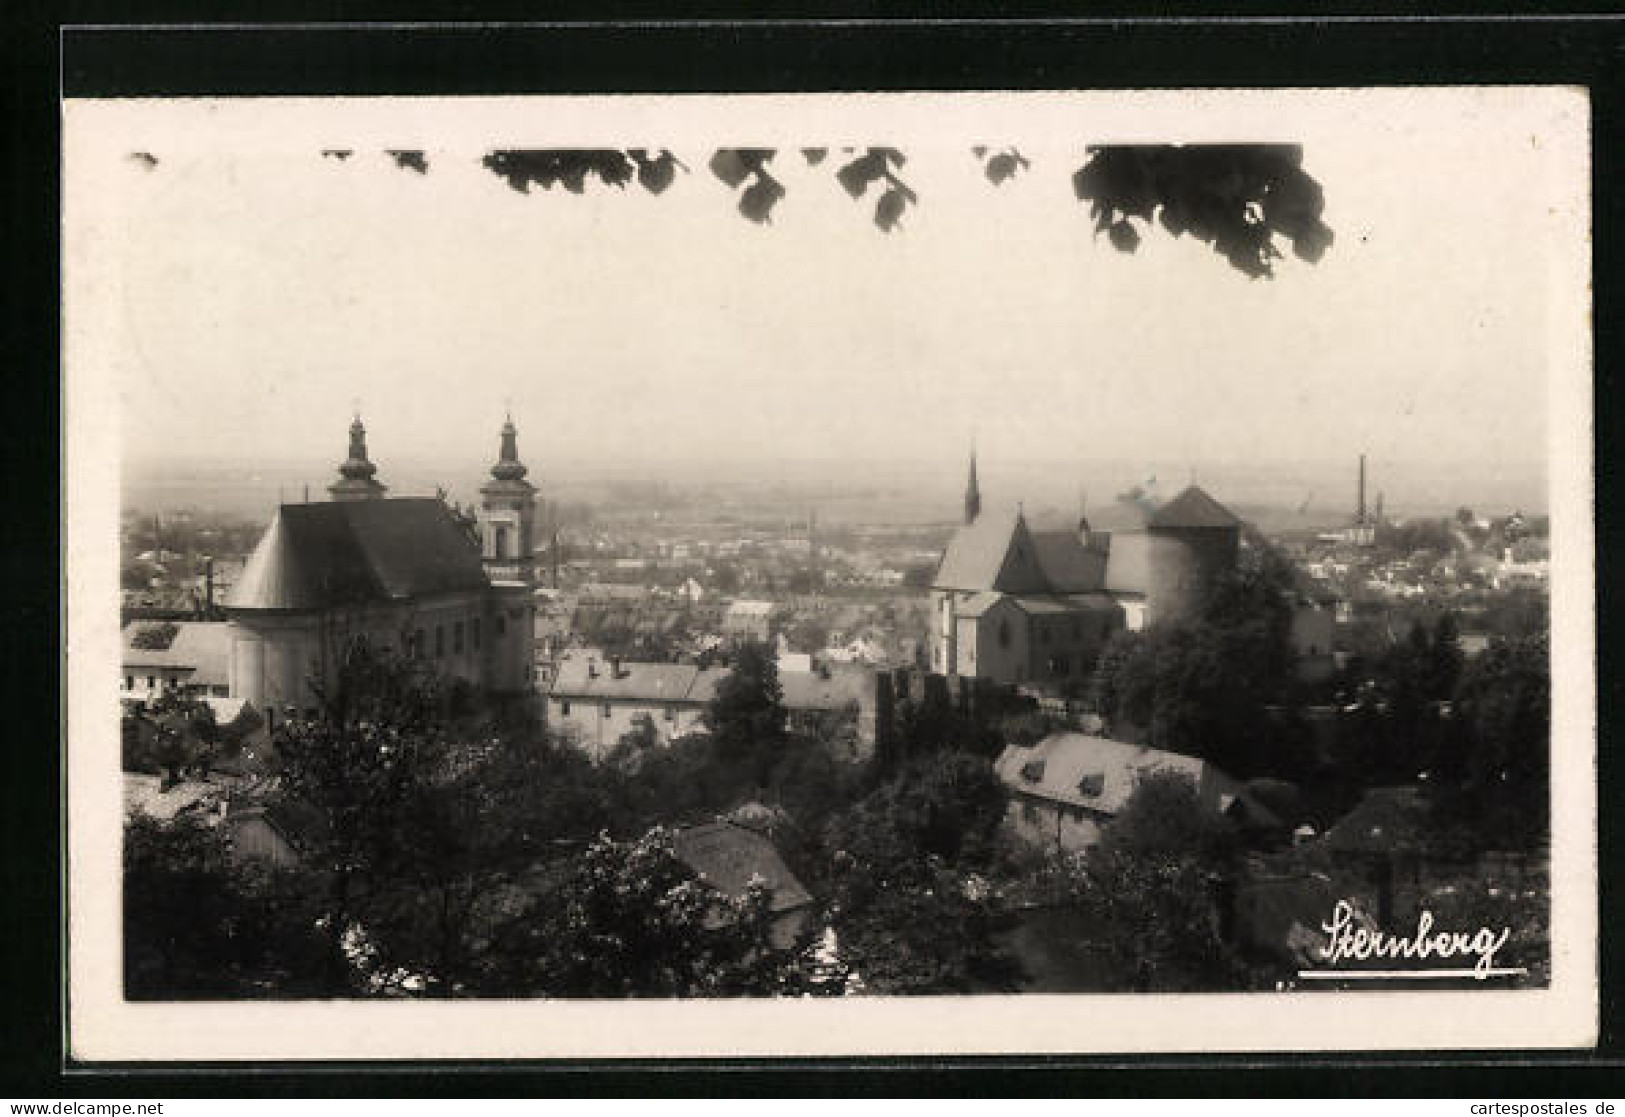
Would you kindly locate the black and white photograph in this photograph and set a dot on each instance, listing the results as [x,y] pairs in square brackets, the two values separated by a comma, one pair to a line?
[829,574]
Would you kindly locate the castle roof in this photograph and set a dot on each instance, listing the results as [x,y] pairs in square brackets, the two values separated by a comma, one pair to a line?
[317,556]
[1192,508]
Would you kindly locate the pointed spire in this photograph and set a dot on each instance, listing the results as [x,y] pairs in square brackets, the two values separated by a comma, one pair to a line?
[973,492]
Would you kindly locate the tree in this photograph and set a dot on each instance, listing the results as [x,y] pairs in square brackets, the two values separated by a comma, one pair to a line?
[910,905]
[746,718]
[1504,700]
[1153,885]
[1199,686]
[198,925]
[628,919]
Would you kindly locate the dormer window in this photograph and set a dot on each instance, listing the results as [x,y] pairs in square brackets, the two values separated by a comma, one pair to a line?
[1033,771]
[1092,786]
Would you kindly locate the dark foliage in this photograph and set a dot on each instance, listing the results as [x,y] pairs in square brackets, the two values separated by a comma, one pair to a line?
[198,925]
[1235,197]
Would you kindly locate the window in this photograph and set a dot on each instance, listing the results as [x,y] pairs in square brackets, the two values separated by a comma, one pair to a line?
[608,710]
[1004,634]
[129,682]
[564,706]
[152,681]
[457,638]
[671,713]
[219,691]
[475,626]
[502,541]
[439,640]
[1092,786]
[417,644]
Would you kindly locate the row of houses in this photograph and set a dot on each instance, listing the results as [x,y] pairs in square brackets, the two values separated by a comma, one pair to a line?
[596,700]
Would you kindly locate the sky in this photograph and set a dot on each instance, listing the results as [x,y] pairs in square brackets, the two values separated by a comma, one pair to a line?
[240,296]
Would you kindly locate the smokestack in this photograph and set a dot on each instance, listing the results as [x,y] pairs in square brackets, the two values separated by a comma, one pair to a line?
[208,585]
[1360,508]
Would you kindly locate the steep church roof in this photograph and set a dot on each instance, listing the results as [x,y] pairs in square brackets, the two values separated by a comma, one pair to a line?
[1192,508]
[994,553]
[1002,554]
[317,556]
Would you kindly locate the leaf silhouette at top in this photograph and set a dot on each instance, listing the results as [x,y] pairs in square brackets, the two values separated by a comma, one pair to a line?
[655,172]
[733,165]
[567,167]
[410,160]
[1001,165]
[1234,197]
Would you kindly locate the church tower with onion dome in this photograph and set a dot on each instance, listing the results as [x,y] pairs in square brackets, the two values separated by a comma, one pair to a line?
[358,478]
[507,529]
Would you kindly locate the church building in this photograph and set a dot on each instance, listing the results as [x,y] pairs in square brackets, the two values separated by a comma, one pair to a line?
[1023,606]
[407,573]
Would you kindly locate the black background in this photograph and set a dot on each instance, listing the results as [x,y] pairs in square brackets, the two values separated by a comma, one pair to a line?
[320,48]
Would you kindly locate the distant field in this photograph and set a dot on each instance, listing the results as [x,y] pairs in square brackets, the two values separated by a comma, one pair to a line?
[1275,497]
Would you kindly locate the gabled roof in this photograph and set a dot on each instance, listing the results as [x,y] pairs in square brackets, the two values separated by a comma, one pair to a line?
[994,553]
[1192,508]
[316,556]
[204,646]
[1100,774]
[727,856]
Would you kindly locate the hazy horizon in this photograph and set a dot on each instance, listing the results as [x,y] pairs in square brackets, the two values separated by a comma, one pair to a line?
[928,489]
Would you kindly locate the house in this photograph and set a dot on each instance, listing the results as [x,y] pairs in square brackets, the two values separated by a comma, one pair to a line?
[1067,787]
[748,620]
[729,857]
[191,656]
[598,699]
[1024,606]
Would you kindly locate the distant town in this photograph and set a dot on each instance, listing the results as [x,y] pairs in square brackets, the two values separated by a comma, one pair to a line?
[378,744]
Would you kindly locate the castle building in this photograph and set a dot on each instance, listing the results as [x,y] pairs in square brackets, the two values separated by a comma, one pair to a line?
[1023,606]
[407,574]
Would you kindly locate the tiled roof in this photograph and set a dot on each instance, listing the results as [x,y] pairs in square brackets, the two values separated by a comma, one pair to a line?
[1100,774]
[588,677]
[315,556]
[728,856]
[204,646]
[1068,565]
[1192,508]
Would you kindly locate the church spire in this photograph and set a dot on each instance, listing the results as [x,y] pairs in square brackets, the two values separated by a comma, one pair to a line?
[973,493]
[509,467]
[358,480]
